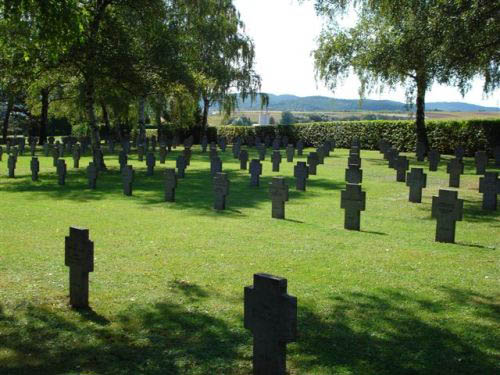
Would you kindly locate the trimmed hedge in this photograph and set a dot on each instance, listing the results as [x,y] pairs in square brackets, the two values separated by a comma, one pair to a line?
[444,136]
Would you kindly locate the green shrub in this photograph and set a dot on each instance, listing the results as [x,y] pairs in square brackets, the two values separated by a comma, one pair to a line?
[444,136]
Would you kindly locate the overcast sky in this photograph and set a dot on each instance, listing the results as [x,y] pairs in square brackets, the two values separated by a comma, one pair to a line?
[285,33]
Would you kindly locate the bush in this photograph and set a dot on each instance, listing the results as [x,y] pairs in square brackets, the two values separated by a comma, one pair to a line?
[444,136]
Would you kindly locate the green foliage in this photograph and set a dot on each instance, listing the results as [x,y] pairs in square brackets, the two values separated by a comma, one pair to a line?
[287,118]
[444,136]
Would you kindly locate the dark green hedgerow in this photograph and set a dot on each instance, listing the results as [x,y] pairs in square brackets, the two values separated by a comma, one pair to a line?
[444,136]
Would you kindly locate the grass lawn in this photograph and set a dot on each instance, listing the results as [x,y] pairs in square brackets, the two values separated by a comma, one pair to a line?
[167,291]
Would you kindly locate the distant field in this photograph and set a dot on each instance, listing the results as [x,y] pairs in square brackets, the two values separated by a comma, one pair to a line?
[254,115]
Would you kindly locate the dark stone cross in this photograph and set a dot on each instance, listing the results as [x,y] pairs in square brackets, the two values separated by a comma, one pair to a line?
[481,161]
[459,153]
[354,160]
[416,180]
[221,190]
[122,159]
[383,145]
[128,179]
[55,156]
[434,158]
[353,175]
[181,166]
[222,144]
[150,163]
[243,160]
[79,257]
[284,141]
[140,153]
[301,174]
[92,173]
[326,148]
[204,144]
[455,168]
[420,151]
[300,147]
[170,184]
[61,171]
[354,151]
[271,315]
[276,160]
[447,209]
[215,166]
[321,155]
[312,162]
[60,148]
[35,168]
[187,155]
[163,153]
[401,165]
[261,149]
[489,186]
[290,153]
[276,143]
[279,195]
[236,150]
[353,200]
[393,154]
[255,172]
[76,157]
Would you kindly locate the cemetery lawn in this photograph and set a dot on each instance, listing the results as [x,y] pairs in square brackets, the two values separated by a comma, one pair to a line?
[167,291]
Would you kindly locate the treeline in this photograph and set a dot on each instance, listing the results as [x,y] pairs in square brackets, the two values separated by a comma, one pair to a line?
[110,67]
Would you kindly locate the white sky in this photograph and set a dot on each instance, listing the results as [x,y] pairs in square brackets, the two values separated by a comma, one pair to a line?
[285,33]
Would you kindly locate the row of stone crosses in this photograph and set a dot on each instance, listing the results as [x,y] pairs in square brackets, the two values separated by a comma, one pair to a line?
[353,199]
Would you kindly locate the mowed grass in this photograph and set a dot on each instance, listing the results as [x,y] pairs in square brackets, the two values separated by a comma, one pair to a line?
[167,291]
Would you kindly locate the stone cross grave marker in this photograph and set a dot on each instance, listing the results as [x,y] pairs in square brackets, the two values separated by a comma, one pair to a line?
[140,153]
[447,209]
[271,315]
[279,195]
[401,165]
[353,200]
[223,144]
[416,180]
[11,165]
[221,190]
[353,175]
[489,186]
[92,173]
[127,179]
[76,156]
[215,166]
[354,160]
[455,168]
[163,153]
[290,153]
[312,162]
[243,159]
[392,156]
[383,146]
[321,155]
[255,172]
[79,257]
[15,152]
[276,143]
[236,149]
[261,149]
[420,151]
[122,159]
[55,156]
[356,143]
[276,160]
[170,184]
[481,161]
[60,148]
[187,155]
[354,151]
[204,144]
[301,174]
[327,148]
[150,163]
[300,147]
[35,168]
[284,141]
[434,159]
[61,171]
[459,153]
[181,166]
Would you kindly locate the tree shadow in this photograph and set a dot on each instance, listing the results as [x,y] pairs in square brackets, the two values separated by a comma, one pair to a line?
[160,338]
[384,333]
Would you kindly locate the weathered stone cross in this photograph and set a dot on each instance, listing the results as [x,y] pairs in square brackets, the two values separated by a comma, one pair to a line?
[279,195]
[447,209]
[353,200]
[416,180]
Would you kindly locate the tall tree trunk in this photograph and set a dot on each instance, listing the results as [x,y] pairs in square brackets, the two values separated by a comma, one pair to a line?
[44,119]
[105,119]
[89,107]
[142,119]
[6,119]
[420,123]
[206,107]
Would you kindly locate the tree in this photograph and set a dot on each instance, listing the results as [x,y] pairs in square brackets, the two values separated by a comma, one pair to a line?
[287,118]
[414,43]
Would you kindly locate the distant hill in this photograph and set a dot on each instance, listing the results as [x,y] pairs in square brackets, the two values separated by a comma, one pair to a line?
[326,104]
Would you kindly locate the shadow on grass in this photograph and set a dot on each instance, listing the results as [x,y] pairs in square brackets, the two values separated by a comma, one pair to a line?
[384,333]
[195,191]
